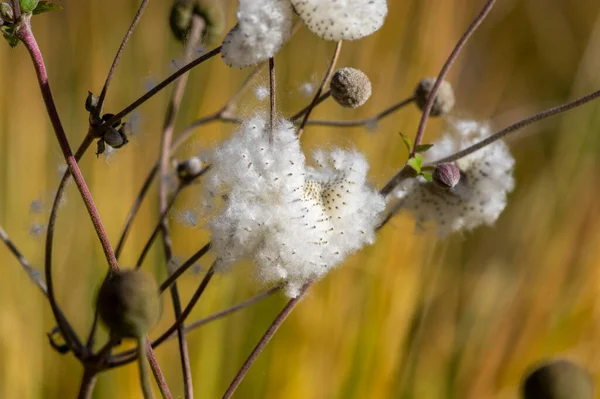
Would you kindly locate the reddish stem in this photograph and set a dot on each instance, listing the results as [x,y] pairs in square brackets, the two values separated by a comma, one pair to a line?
[25,34]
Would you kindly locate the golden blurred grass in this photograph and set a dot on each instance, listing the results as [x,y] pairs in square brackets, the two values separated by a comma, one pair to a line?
[410,317]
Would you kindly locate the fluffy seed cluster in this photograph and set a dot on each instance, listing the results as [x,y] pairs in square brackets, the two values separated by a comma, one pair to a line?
[480,195]
[295,222]
[342,19]
[262,29]
[264,26]
[444,100]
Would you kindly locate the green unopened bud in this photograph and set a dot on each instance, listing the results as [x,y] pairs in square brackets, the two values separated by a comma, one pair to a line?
[444,100]
[446,175]
[6,12]
[129,304]
[350,87]
[211,12]
[559,379]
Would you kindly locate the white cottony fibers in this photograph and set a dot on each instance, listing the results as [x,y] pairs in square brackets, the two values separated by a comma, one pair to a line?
[342,19]
[262,29]
[293,221]
[479,197]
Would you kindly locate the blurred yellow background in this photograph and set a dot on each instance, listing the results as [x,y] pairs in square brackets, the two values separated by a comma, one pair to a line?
[410,317]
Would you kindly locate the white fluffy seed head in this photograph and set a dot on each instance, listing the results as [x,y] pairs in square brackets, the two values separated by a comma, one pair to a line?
[262,29]
[480,195]
[342,19]
[293,221]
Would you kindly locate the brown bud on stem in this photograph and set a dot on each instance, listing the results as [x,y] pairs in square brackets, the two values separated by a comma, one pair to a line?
[350,87]
[444,101]
[211,12]
[446,175]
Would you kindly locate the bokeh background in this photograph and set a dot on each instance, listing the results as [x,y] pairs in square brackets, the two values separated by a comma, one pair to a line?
[410,317]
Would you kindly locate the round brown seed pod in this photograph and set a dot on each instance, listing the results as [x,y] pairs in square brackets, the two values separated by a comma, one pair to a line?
[446,175]
[350,87]
[211,11]
[444,101]
[129,304]
[559,379]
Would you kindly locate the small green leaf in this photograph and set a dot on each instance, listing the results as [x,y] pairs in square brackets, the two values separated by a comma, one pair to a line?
[9,34]
[427,176]
[406,141]
[423,147]
[28,5]
[46,6]
[416,162]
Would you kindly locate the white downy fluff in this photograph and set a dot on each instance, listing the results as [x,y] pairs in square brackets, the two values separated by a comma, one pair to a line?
[342,19]
[293,221]
[479,197]
[262,29]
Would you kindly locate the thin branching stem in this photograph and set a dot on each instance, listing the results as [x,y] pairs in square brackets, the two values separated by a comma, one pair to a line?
[193,40]
[26,36]
[272,96]
[118,55]
[156,371]
[363,122]
[285,312]
[305,110]
[143,368]
[88,382]
[33,274]
[519,125]
[131,107]
[184,267]
[328,75]
[442,75]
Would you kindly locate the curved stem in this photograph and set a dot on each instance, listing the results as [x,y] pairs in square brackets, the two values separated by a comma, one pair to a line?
[26,36]
[451,58]
[117,58]
[237,380]
[186,265]
[328,74]
[143,366]
[519,125]
[305,110]
[161,86]
[88,382]
[33,274]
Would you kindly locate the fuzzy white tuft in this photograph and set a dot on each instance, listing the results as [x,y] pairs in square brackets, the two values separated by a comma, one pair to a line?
[479,197]
[342,19]
[263,28]
[294,221]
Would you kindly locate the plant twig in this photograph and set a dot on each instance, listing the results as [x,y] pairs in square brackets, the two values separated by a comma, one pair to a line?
[143,366]
[305,110]
[34,275]
[519,125]
[264,341]
[193,40]
[158,375]
[117,58]
[186,265]
[272,95]
[26,36]
[88,382]
[362,122]
[131,107]
[451,58]
[328,74]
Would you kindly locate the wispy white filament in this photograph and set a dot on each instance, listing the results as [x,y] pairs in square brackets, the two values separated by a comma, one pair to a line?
[295,222]
[480,196]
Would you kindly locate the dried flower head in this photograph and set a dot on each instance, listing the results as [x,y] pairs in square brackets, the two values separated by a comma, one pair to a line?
[129,304]
[350,87]
[444,100]
[262,29]
[342,19]
[559,379]
[480,195]
[294,221]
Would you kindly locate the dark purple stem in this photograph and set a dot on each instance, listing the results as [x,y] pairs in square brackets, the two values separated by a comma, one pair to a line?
[26,36]
[442,75]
